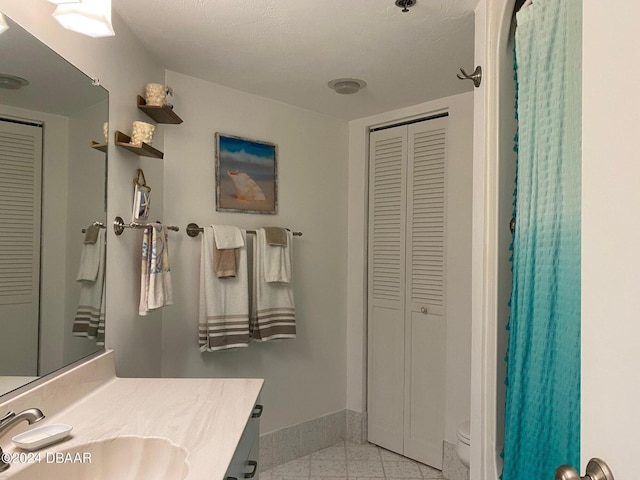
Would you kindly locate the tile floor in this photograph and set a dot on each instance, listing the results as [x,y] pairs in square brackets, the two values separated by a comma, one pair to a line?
[349,461]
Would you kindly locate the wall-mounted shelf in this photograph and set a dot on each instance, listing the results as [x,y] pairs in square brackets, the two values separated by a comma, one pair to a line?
[99,146]
[162,114]
[144,150]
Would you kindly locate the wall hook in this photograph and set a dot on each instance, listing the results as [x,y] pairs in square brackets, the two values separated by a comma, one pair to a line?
[476,76]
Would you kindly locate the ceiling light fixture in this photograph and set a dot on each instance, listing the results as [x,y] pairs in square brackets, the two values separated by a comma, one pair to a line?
[3,24]
[89,17]
[10,82]
[405,4]
[347,86]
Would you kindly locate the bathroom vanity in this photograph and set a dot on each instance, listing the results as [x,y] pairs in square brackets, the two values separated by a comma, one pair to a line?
[210,425]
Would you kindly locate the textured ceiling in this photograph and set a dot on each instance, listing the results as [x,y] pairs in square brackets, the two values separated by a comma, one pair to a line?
[289,50]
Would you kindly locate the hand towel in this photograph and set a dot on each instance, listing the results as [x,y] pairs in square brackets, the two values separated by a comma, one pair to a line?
[276,260]
[276,236]
[225,262]
[89,319]
[228,236]
[91,258]
[223,314]
[273,312]
[156,289]
[91,234]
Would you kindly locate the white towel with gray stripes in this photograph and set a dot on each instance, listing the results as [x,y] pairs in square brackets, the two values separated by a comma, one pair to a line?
[274,311]
[224,302]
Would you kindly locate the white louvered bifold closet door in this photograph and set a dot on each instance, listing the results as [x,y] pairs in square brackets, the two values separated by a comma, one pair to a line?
[20,212]
[387,219]
[425,329]
[405,398]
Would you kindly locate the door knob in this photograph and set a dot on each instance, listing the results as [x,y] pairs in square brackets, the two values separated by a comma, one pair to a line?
[597,469]
[424,310]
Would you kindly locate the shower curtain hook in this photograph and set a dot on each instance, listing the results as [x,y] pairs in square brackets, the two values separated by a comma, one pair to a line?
[476,76]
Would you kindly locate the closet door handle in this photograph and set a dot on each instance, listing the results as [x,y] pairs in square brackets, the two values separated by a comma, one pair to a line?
[597,469]
[252,473]
[257,411]
[424,310]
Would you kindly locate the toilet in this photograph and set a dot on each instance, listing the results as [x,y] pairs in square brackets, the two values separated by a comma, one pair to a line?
[464,440]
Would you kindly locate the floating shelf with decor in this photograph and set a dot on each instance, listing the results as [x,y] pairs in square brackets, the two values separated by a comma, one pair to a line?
[163,114]
[143,150]
[99,146]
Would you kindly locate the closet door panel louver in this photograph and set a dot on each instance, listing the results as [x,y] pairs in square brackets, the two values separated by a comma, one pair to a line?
[425,327]
[387,219]
[20,214]
[20,151]
[426,216]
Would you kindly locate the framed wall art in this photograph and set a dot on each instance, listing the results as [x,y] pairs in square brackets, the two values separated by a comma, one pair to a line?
[246,175]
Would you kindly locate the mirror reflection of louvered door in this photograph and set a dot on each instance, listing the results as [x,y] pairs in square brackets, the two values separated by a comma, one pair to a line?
[20,214]
[406,320]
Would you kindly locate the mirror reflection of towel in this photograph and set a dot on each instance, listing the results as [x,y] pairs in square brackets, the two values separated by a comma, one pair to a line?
[89,319]
[91,235]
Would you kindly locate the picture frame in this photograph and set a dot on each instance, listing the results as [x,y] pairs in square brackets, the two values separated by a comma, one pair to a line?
[141,198]
[246,175]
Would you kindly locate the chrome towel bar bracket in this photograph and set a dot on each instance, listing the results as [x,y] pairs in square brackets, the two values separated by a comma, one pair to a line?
[119,226]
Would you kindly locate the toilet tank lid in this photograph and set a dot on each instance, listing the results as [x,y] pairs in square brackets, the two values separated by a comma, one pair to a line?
[464,430]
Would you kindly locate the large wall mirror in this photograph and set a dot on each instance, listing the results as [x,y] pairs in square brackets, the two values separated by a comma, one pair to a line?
[52,187]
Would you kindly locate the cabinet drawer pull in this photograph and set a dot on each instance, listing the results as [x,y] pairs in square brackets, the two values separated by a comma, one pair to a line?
[252,473]
[257,411]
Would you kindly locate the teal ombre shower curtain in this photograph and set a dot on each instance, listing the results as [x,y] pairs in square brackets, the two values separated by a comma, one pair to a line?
[542,418]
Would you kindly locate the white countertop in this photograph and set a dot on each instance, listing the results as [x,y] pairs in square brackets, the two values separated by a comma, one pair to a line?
[205,416]
[9,383]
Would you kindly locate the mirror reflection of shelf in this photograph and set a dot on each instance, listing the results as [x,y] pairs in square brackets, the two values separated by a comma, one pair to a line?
[143,150]
[99,146]
[163,114]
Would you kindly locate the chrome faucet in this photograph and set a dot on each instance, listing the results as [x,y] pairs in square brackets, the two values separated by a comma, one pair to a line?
[31,415]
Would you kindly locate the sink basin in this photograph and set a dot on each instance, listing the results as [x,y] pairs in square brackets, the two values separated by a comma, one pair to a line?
[119,458]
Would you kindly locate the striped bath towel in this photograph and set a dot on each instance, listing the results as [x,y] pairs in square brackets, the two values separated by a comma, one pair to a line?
[224,302]
[89,319]
[273,312]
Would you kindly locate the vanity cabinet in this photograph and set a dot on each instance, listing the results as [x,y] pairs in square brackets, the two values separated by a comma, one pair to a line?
[244,463]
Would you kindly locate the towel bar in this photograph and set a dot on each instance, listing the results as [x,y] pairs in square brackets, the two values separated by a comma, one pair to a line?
[193,230]
[119,226]
[95,224]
